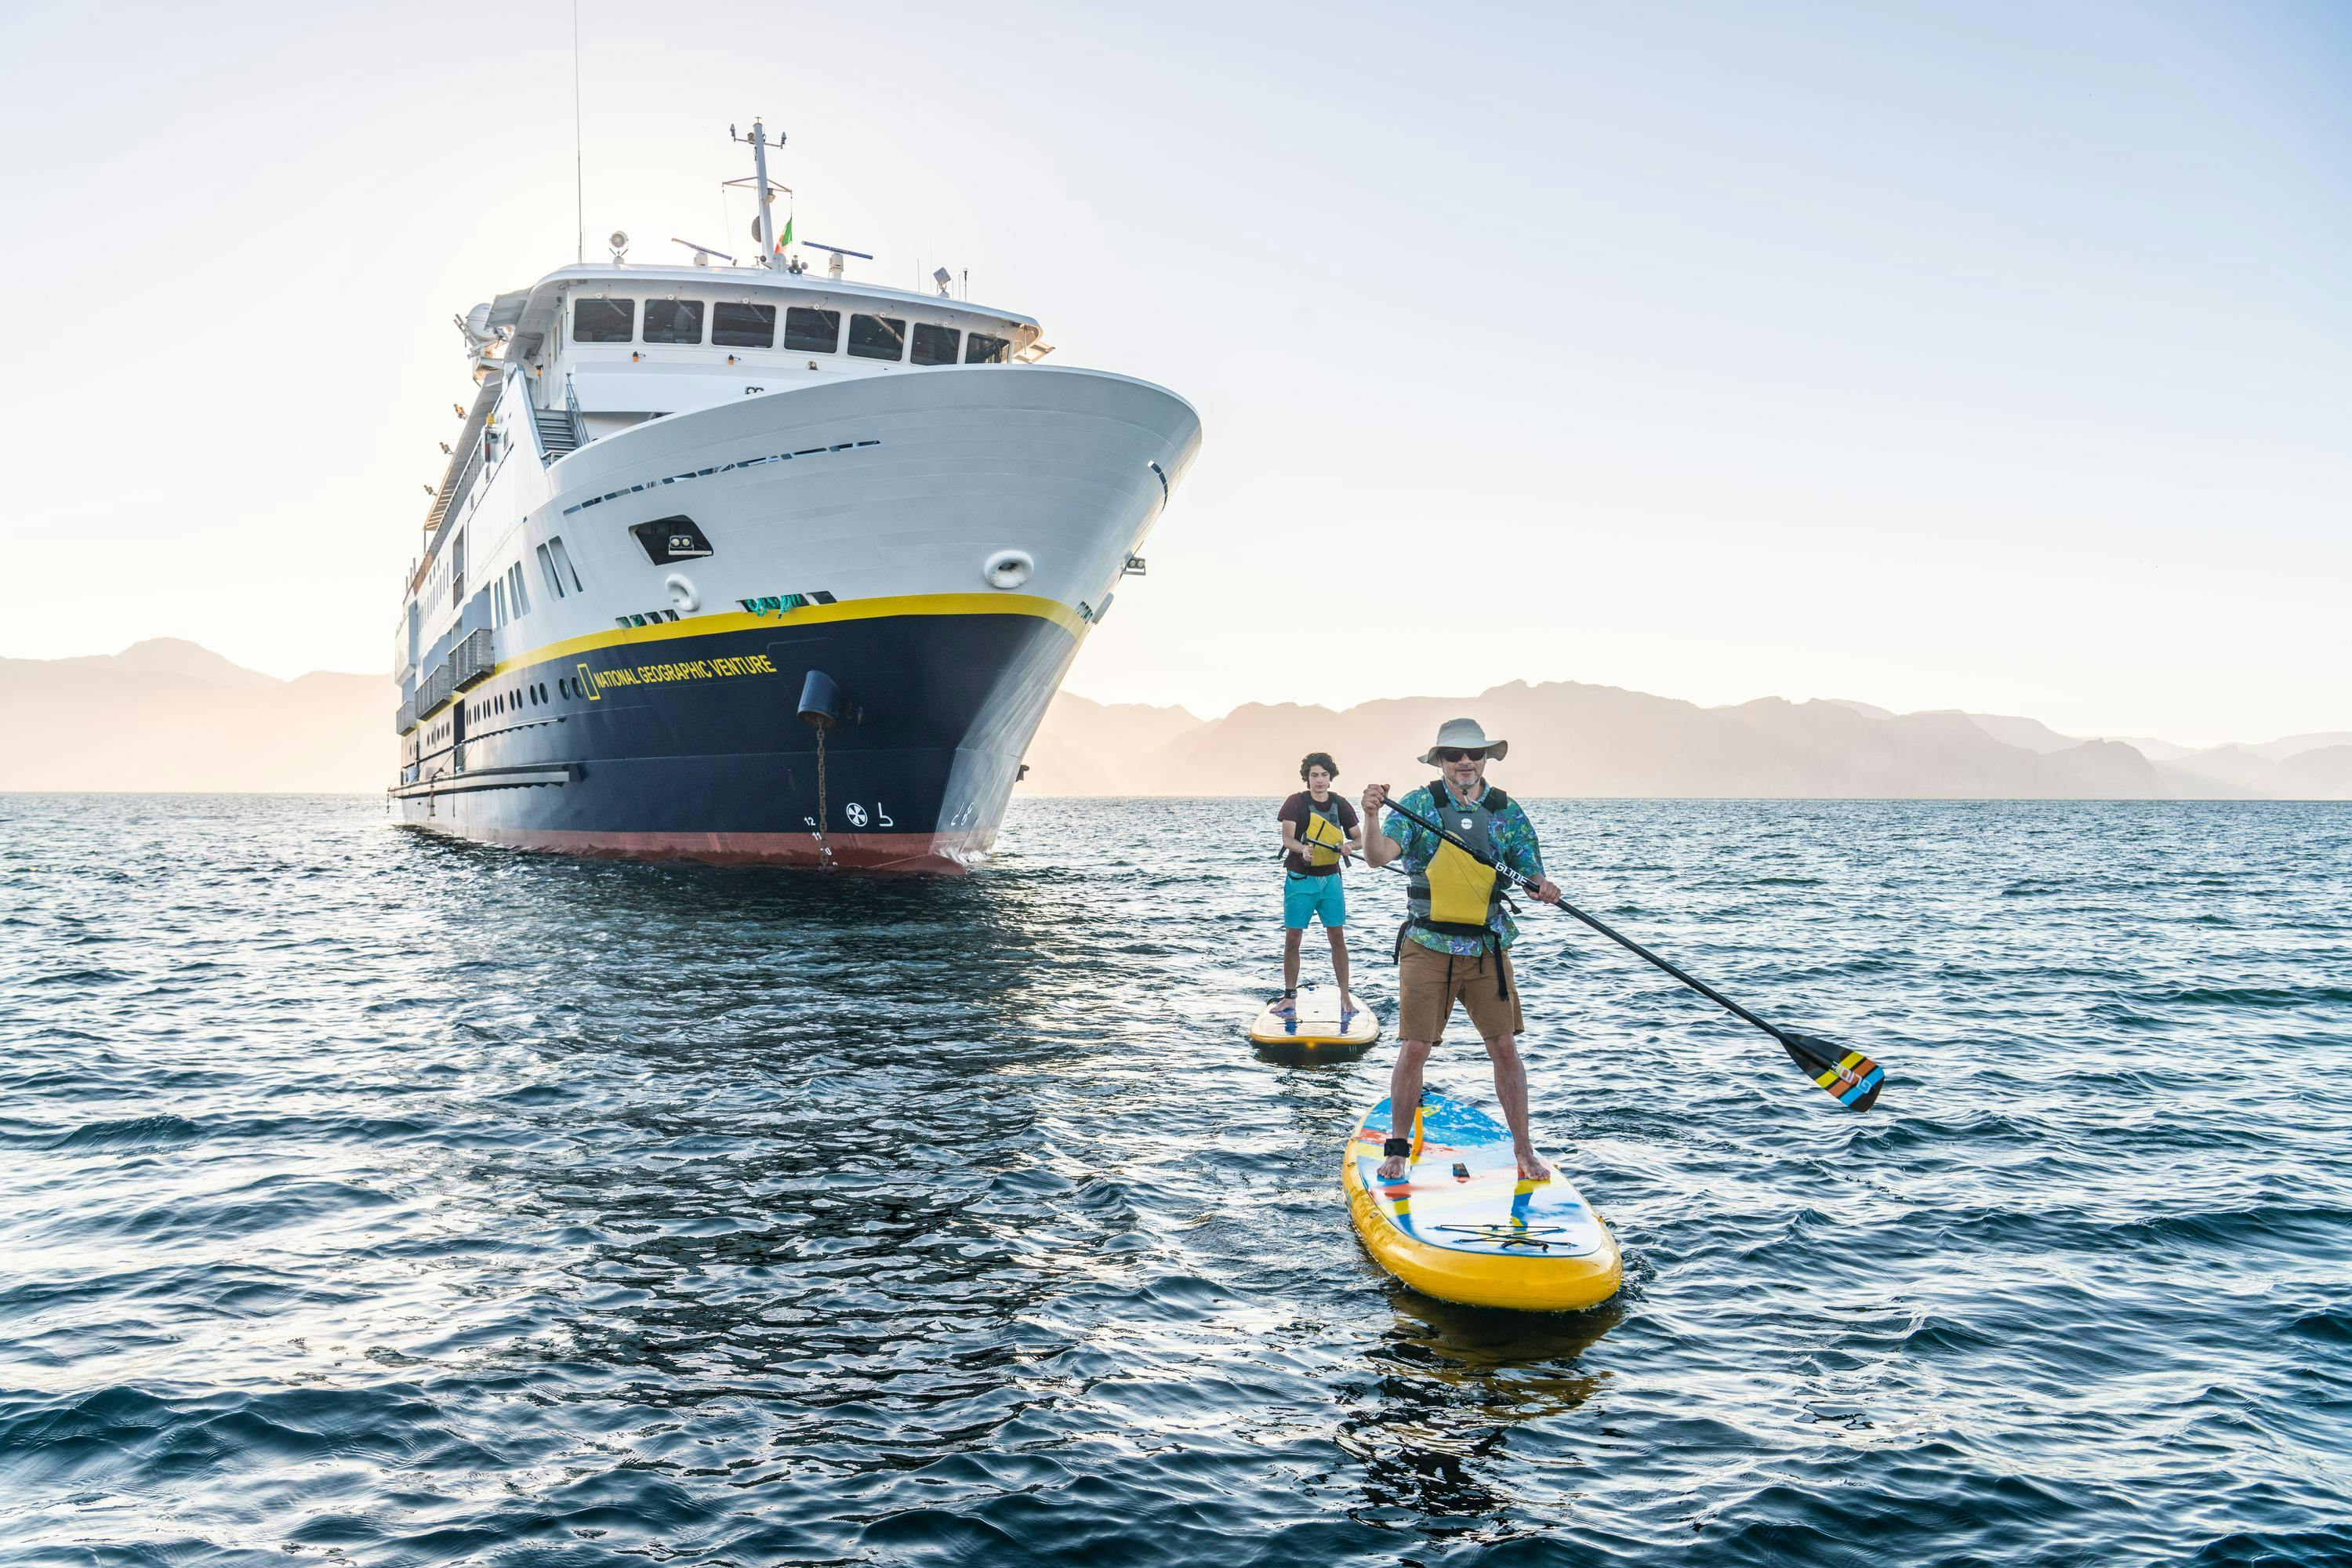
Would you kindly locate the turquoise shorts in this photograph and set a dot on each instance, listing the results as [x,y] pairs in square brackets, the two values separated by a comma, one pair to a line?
[1304,897]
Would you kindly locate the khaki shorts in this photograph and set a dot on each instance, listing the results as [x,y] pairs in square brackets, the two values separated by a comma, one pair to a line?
[1429,984]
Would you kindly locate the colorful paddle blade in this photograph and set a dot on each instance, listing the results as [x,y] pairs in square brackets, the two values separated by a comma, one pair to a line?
[1849,1077]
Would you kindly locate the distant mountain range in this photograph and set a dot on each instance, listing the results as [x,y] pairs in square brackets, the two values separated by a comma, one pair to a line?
[1570,739]
[169,715]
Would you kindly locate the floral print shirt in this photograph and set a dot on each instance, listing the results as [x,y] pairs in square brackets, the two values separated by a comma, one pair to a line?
[1515,838]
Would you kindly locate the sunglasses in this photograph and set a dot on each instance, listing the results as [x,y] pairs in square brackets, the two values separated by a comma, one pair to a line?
[1457,754]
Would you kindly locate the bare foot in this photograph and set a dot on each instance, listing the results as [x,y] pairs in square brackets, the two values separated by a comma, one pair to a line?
[1532,1168]
[1392,1169]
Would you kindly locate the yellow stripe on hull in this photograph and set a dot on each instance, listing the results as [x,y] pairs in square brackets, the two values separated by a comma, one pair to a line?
[807,614]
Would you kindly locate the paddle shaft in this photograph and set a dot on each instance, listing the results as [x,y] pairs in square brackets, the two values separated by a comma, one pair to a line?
[1627,942]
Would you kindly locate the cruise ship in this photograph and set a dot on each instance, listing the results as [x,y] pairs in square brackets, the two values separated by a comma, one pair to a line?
[752,561]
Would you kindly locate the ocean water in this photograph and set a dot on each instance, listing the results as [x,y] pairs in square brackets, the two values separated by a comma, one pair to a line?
[371,1199]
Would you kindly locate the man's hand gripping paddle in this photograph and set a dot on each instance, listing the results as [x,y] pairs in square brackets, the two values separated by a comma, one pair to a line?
[1851,1077]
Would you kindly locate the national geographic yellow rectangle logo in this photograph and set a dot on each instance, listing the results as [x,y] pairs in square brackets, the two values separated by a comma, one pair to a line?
[595,681]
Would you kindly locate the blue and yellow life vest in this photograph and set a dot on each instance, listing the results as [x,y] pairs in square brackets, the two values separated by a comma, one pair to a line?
[1459,893]
[1322,834]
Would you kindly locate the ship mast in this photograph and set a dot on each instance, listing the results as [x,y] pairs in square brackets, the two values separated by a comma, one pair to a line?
[767,193]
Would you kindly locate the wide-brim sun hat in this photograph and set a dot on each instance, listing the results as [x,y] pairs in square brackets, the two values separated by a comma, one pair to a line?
[1465,734]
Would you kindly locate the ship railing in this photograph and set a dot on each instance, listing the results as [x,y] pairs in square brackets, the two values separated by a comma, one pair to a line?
[456,494]
[561,430]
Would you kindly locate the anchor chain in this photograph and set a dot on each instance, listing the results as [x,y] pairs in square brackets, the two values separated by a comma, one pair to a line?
[824,840]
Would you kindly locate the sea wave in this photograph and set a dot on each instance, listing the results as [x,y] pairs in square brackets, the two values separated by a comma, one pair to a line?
[378,1200]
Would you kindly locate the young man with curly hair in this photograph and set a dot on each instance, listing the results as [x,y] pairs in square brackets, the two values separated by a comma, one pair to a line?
[1318,828]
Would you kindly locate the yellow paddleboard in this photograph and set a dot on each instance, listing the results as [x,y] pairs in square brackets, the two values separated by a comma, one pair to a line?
[1462,1226]
[1318,1023]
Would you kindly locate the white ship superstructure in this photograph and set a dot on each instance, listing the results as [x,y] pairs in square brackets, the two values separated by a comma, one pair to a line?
[751,563]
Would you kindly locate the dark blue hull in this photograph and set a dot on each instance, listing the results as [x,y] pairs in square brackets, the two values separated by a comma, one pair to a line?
[685,742]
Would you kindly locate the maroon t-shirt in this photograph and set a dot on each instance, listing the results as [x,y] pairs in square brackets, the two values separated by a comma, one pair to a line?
[1294,811]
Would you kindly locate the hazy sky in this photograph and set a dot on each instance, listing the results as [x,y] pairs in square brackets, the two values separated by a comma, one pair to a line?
[1985,356]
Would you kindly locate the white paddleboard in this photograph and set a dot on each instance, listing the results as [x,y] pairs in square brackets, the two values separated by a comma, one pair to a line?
[1317,1022]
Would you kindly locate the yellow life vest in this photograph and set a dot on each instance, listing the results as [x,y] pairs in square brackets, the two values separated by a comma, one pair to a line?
[1324,837]
[1461,891]
[1458,894]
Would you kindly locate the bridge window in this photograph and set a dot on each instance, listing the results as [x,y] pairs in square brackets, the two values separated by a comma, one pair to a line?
[740,326]
[517,602]
[877,337]
[812,331]
[671,539]
[603,320]
[981,349]
[673,320]
[934,344]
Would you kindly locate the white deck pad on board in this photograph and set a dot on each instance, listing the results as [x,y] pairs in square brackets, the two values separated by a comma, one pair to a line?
[1318,1023]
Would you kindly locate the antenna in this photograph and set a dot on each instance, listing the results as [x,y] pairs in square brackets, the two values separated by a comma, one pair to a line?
[763,195]
[578,162]
[832,267]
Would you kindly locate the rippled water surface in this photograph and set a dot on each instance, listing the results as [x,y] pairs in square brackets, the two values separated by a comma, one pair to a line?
[373,1199]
